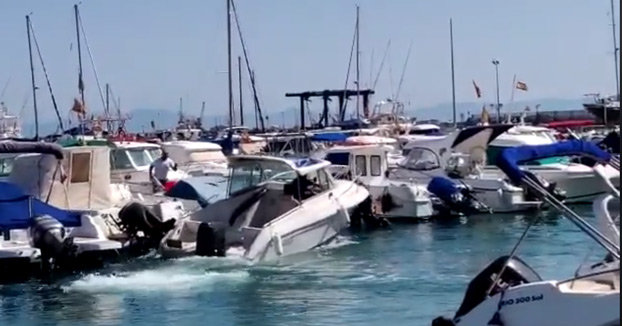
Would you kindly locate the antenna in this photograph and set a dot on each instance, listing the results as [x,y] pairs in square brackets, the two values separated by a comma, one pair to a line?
[453,72]
[615,48]
[358,66]
[32,77]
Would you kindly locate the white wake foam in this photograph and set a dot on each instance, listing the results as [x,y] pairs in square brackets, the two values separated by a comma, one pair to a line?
[179,277]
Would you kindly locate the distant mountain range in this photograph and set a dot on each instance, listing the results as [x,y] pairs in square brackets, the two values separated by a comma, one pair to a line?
[141,118]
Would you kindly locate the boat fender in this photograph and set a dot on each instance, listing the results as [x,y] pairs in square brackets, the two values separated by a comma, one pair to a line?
[278,243]
[210,241]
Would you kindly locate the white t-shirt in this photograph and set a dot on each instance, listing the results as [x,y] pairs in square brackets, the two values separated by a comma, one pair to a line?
[161,168]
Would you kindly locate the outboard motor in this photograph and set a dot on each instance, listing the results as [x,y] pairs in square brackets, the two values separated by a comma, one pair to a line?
[210,241]
[551,187]
[516,272]
[454,198]
[136,217]
[48,235]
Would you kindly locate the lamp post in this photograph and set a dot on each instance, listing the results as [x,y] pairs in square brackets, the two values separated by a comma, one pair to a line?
[496,63]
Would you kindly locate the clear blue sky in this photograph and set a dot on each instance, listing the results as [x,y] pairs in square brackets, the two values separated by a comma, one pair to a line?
[154,51]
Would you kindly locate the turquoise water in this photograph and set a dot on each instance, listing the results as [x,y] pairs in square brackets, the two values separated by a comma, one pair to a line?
[404,276]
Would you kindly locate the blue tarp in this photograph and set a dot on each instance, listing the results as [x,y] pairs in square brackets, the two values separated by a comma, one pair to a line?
[206,189]
[443,188]
[15,212]
[509,159]
[330,137]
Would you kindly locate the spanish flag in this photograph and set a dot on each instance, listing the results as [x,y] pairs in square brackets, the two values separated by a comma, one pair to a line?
[521,86]
[478,92]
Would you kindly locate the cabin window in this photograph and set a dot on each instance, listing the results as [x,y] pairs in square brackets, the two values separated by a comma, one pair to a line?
[139,156]
[338,158]
[361,165]
[322,179]
[422,159]
[120,160]
[154,153]
[6,166]
[375,166]
[80,167]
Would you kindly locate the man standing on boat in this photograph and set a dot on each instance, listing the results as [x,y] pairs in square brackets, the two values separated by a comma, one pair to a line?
[158,171]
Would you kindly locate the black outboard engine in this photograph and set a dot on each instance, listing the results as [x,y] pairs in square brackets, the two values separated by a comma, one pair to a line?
[136,217]
[454,198]
[210,241]
[48,235]
[551,187]
[516,272]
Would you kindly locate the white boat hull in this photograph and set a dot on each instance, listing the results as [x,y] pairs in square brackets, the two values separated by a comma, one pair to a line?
[314,222]
[550,304]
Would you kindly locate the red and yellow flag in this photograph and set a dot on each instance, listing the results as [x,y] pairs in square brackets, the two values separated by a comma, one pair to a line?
[522,86]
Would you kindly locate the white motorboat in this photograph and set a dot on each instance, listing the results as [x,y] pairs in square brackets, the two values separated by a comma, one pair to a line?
[275,207]
[508,292]
[368,165]
[73,184]
[421,132]
[130,163]
[579,182]
[197,158]
[442,158]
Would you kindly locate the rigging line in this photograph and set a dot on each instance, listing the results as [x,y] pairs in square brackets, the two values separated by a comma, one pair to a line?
[342,110]
[248,65]
[88,50]
[391,77]
[399,86]
[6,85]
[47,77]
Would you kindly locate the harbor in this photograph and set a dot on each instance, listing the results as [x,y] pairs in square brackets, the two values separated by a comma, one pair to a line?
[353,206]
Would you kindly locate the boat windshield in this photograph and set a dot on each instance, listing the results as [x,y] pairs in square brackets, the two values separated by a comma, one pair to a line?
[140,157]
[422,159]
[154,153]
[245,174]
[6,166]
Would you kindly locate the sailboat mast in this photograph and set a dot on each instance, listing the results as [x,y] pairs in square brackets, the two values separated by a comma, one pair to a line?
[615,48]
[240,87]
[80,80]
[32,77]
[358,66]
[453,72]
[229,72]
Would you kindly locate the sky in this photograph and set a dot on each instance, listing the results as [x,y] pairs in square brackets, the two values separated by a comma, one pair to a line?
[152,52]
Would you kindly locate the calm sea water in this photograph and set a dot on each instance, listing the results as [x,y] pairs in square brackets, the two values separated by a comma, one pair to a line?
[404,276]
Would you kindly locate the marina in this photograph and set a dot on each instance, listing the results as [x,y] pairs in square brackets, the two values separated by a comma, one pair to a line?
[358,211]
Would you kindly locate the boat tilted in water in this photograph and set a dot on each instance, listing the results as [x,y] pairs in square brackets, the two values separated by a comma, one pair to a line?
[275,207]
[509,293]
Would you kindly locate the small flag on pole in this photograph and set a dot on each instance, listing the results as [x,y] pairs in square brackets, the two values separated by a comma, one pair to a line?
[478,91]
[78,107]
[521,86]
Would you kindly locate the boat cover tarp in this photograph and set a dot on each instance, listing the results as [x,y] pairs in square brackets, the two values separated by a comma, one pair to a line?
[15,212]
[443,188]
[509,159]
[330,137]
[31,147]
[205,190]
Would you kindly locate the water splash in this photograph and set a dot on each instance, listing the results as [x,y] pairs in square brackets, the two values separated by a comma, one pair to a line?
[188,274]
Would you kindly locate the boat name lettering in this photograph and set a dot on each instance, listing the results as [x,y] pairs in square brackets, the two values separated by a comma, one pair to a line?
[520,300]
